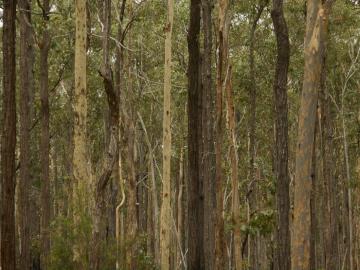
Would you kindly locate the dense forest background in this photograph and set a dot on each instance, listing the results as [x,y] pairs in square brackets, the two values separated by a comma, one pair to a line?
[196,134]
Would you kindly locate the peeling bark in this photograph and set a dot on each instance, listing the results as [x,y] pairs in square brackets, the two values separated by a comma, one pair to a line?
[314,48]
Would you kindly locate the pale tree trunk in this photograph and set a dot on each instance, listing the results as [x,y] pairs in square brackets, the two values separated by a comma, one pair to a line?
[44,46]
[26,87]
[195,214]
[80,166]
[8,138]
[222,37]
[314,47]
[281,135]
[154,198]
[208,158]
[234,158]
[165,213]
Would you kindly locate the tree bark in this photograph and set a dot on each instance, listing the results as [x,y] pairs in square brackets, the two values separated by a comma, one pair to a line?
[195,258]
[26,87]
[80,169]
[111,154]
[234,159]
[44,46]
[132,225]
[222,52]
[253,193]
[281,135]
[165,212]
[208,157]
[8,138]
[330,190]
[314,47]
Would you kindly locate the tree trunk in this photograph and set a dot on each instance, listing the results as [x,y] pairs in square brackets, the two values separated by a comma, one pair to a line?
[44,46]
[180,252]
[235,205]
[26,87]
[8,138]
[165,218]
[330,190]
[80,170]
[208,158]
[281,135]
[314,47]
[253,240]
[195,193]
[222,52]
[119,215]
[111,154]
[129,154]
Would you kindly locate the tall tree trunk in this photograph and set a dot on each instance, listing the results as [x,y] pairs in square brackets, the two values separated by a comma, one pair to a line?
[253,240]
[26,87]
[208,158]
[331,254]
[44,46]
[313,205]
[118,70]
[165,218]
[80,170]
[180,212]
[330,190]
[281,135]
[222,52]
[154,198]
[195,192]
[111,153]
[314,47]
[235,205]
[129,154]
[8,138]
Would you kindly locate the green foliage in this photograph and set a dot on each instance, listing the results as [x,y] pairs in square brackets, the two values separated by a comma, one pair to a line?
[262,222]
[61,256]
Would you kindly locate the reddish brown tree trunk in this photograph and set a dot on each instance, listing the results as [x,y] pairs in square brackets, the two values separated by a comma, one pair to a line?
[26,87]
[8,138]
[195,185]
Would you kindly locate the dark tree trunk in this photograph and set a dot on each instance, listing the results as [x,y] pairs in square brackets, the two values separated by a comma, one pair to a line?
[208,158]
[26,87]
[281,135]
[195,199]
[8,138]
[44,46]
